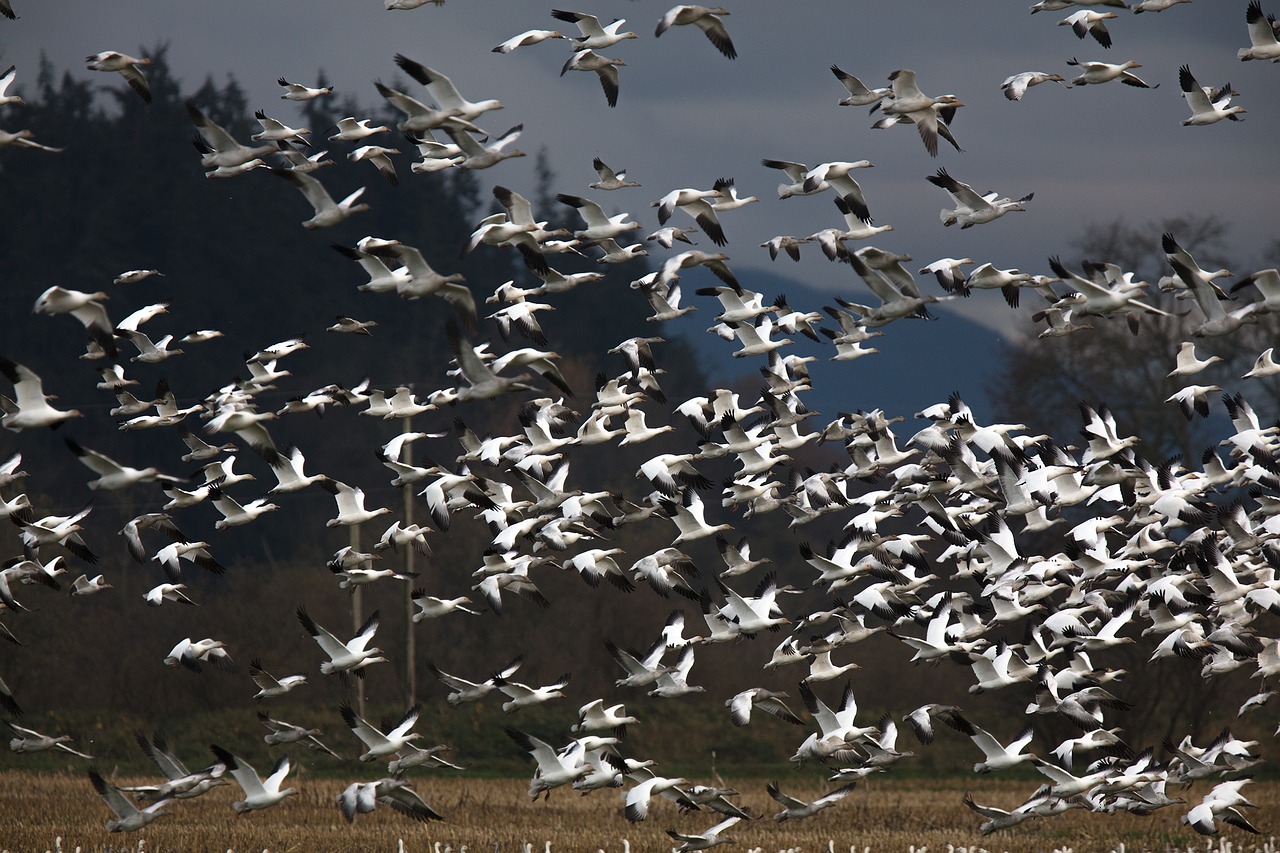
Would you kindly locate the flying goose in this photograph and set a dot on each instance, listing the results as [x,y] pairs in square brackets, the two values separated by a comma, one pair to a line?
[270,687]
[593,34]
[860,95]
[711,838]
[611,179]
[327,212]
[1016,86]
[441,88]
[525,38]
[351,656]
[30,740]
[381,745]
[1263,43]
[795,809]
[970,207]
[394,791]
[706,19]
[259,793]
[128,817]
[1102,72]
[604,67]
[217,147]
[31,407]
[180,783]
[126,65]
[299,92]
[1087,22]
[1204,109]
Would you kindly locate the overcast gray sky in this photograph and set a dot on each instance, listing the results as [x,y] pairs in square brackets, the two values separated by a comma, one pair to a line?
[686,115]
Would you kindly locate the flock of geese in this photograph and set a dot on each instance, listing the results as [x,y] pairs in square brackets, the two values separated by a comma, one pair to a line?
[1183,552]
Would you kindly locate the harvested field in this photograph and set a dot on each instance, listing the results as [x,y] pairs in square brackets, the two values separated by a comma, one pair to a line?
[888,815]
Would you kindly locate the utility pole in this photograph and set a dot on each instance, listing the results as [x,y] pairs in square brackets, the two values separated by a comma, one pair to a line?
[357,614]
[410,668]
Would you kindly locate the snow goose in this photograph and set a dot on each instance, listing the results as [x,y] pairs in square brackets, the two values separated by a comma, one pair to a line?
[418,117]
[1154,5]
[860,95]
[1262,36]
[695,203]
[31,407]
[1102,72]
[281,732]
[1086,22]
[180,783]
[169,558]
[30,740]
[113,476]
[477,156]
[554,769]
[128,817]
[675,681]
[730,200]
[604,67]
[361,797]
[970,207]
[713,837]
[327,212]
[258,793]
[381,745]
[6,80]
[274,130]
[270,687]
[422,280]
[1187,362]
[836,176]
[350,501]
[217,147]
[299,92]
[595,717]
[795,809]
[1016,86]
[23,139]
[525,38]
[1264,365]
[85,307]
[706,19]
[524,696]
[797,173]
[351,129]
[191,654]
[1204,110]
[233,512]
[127,66]
[380,157]
[444,92]
[84,585]
[1268,284]
[642,669]
[599,224]
[1220,803]
[611,179]
[931,115]
[593,34]
[352,656]
[760,699]
[997,757]
[431,607]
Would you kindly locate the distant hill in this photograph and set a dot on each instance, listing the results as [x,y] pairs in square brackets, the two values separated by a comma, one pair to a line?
[919,363]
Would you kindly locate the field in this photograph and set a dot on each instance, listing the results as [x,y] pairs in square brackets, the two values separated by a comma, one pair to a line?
[897,815]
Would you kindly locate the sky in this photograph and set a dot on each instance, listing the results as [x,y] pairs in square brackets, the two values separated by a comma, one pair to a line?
[687,116]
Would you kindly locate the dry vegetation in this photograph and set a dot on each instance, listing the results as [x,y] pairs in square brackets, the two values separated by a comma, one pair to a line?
[888,815]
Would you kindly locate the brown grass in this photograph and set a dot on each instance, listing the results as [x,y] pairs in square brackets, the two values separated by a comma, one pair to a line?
[887,815]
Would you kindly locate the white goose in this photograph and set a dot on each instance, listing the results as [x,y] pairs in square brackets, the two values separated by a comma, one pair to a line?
[128,817]
[327,212]
[258,793]
[31,407]
[1263,43]
[352,656]
[270,687]
[126,66]
[381,745]
[1204,109]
